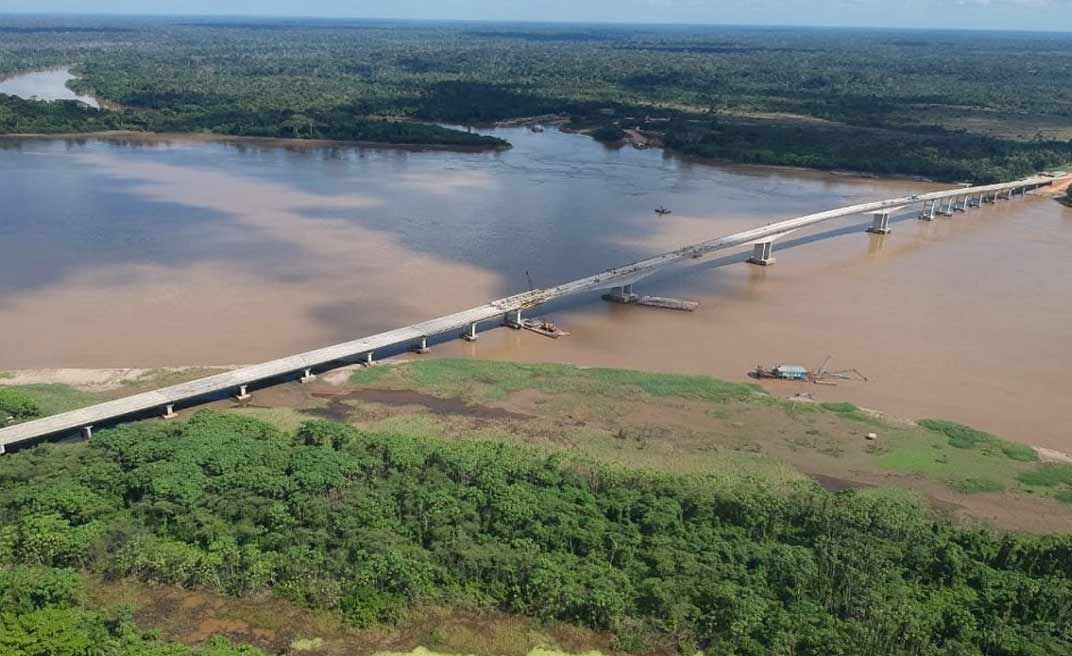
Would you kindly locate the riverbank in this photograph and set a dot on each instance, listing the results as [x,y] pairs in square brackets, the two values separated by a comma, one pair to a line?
[677,424]
[280,142]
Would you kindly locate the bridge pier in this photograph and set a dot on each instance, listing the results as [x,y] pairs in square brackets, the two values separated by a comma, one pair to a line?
[947,208]
[421,348]
[961,204]
[307,376]
[243,394]
[513,320]
[623,294]
[880,223]
[470,334]
[368,359]
[87,432]
[930,207]
[169,411]
[761,254]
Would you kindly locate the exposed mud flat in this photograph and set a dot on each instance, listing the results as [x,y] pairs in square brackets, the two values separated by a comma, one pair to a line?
[338,408]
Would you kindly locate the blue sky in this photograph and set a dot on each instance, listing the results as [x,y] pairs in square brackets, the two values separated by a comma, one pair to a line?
[986,14]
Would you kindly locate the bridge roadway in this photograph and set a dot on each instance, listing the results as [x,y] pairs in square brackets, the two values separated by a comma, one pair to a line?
[163,400]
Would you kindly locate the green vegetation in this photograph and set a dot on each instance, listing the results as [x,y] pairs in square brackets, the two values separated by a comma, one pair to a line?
[43,399]
[43,612]
[489,380]
[608,134]
[1064,496]
[18,404]
[966,437]
[1048,475]
[368,524]
[868,100]
[976,485]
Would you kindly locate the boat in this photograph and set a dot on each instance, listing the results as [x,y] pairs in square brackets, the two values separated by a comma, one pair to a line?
[662,210]
[536,128]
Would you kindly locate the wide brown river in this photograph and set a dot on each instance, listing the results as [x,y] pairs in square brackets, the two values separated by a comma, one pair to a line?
[146,253]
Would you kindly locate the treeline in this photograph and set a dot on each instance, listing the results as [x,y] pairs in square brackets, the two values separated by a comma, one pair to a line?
[367,525]
[19,116]
[330,79]
[935,154]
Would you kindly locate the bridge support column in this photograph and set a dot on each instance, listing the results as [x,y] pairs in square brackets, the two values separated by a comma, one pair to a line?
[169,411]
[880,223]
[368,360]
[3,449]
[307,376]
[87,432]
[961,204]
[422,347]
[623,294]
[513,320]
[761,254]
[470,334]
[243,394]
[947,208]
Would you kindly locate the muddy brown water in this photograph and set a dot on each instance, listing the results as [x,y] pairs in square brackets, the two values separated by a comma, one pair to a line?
[144,253]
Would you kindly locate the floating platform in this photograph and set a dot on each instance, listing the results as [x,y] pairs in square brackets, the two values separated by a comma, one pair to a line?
[653,301]
[545,328]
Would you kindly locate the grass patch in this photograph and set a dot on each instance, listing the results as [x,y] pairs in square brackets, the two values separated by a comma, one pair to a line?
[1047,476]
[478,381]
[54,398]
[6,374]
[1064,496]
[966,437]
[976,485]
[840,408]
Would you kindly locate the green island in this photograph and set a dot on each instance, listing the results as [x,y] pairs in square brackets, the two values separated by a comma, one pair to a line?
[481,507]
[984,107]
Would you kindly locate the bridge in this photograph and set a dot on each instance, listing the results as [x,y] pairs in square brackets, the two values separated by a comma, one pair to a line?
[619,280]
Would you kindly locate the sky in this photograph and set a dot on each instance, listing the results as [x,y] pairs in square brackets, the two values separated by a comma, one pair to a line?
[972,14]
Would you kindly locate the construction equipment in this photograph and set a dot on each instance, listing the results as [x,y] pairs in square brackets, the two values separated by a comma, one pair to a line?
[823,375]
[543,325]
[820,376]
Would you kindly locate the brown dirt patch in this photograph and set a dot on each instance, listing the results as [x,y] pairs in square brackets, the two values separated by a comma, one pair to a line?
[338,408]
[272,624]
[835,484]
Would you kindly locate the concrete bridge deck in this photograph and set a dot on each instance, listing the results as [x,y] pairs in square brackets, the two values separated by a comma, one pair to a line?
[163,400]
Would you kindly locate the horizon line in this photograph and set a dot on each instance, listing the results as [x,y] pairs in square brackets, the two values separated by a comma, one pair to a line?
[522,21]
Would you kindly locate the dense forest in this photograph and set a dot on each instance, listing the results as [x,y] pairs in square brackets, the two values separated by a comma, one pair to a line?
[368,525]
[982,107]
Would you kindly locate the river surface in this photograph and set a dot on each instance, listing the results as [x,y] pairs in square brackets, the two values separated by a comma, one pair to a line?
[44,85]
[144,253]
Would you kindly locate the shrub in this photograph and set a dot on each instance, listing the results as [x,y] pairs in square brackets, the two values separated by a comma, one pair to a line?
[976,485]
[608,134]
[966,437]
[1048,476]
[18,404]
[840,408]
